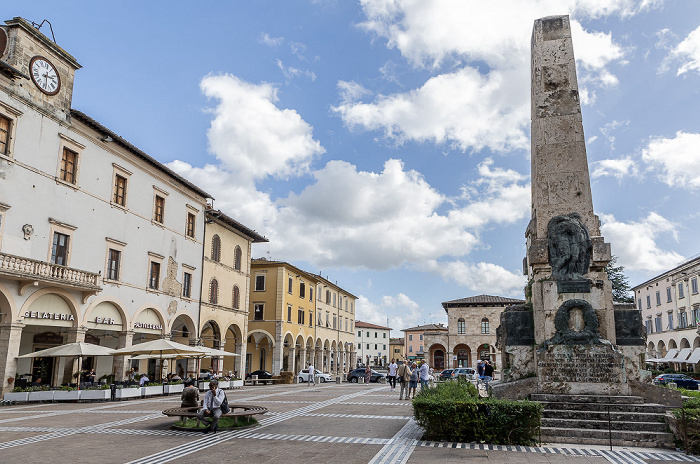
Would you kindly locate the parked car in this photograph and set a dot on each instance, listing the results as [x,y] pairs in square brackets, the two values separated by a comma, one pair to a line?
[204,374]
[467,372]
[446,374]
[262,374]
[354,374]
[321,377]
[682,380]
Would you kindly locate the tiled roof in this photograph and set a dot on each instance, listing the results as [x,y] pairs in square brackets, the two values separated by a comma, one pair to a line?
[367,325]
[229,221]
[427,327]
[396,340]
[481,300]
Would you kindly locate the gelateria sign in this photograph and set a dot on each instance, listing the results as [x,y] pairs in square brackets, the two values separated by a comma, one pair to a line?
[48,315]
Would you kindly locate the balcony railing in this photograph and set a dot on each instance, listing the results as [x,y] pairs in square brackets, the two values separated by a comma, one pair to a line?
[30,269]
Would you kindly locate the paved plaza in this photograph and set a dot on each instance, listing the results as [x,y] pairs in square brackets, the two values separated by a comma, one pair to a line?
[347,423]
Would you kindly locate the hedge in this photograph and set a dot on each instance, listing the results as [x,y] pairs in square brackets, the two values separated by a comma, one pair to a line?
[453,412]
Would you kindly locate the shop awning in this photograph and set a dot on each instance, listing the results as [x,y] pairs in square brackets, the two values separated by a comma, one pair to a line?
[669,356]
[683,355]
[694,357]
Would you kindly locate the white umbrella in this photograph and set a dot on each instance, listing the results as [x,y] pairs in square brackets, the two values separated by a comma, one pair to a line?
[78,349]
[159,348]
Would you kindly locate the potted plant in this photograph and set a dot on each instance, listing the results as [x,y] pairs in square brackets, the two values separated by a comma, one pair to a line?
[236,383]
[66,393]
[175,386]
[152,388]
[127,392]
[17,395]
[102,392]
[40,393]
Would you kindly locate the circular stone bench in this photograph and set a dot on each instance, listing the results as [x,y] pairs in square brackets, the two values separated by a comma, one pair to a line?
[237,410]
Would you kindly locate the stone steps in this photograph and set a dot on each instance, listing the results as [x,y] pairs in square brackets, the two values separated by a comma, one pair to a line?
[592,424]
[584,419]
[601,437]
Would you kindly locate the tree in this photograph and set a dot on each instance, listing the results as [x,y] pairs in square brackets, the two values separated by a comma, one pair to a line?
[620,284]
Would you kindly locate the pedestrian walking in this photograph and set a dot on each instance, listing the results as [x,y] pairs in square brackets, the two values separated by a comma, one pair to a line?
[488,372]
[413,382]
[392,374]
[404,374]
[312,373]
[480,370]
[368,374]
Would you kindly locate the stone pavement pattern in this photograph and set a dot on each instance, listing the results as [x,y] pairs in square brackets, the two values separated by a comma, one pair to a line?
[324,423]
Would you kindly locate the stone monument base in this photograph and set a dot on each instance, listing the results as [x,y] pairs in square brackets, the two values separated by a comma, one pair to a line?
[581,370]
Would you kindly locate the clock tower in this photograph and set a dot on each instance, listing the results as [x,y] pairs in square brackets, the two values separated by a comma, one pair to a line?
[42,71]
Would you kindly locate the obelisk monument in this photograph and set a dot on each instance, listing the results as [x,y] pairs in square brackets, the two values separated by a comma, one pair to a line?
[568,335]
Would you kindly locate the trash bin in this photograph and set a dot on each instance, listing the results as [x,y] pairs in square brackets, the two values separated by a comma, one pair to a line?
[113,391]
[360,380]
[338,380]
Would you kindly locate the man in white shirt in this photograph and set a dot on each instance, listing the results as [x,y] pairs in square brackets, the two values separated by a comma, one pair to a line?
[312,373]
[392,374]
[424,375]
[143,381]
[211,409]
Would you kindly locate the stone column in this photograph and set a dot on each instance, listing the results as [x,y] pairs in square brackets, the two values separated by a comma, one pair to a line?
[277,353]
[10,337]
[293,361]
[353,360]
[74,335]
[119,363]
[239,361]
[302,358]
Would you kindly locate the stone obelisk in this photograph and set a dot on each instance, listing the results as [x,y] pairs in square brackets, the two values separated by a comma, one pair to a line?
[568,337]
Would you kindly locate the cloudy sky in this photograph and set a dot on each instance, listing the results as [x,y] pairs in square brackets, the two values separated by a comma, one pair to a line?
[386,144]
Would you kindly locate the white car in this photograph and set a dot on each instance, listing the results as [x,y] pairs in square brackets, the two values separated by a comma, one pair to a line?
[318,376]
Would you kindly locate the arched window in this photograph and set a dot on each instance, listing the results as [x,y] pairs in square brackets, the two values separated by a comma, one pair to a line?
[484,326]
[237,255]
[236,297]
[461,326]
[214,292]
[216,248]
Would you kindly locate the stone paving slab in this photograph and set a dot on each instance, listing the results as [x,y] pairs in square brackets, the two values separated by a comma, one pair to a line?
[339,427]
[367,409]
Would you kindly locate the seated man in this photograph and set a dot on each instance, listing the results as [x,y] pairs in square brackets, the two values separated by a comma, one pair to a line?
[190,395]
[37,382]
[211,407]
[144,380]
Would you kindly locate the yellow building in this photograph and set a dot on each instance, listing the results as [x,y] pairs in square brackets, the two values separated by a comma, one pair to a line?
[223,318]
[297,318]
[334,347]
[396,349]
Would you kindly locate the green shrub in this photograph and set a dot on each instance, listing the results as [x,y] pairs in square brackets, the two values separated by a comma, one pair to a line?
[451,411]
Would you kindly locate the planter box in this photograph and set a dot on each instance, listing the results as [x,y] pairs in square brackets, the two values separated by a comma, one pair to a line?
[224,384]
[236,383]
[169,389]
[150,391]
[17,396]
[104,395]
[203,386]
[121,393]
[66,395]
[41,396]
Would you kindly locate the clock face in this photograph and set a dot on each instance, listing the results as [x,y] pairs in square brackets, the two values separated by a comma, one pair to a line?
[44,75]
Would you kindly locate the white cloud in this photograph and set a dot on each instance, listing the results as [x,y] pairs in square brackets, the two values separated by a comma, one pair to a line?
[688,52]
[618,168]
[270,41]
[400,311]
[351,91]
[635,243]
[291,72]
[482,277]
[463,108]
[676,161]
[251,136]
[482,102]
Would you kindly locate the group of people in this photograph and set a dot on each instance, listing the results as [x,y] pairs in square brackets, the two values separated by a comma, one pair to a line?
[408,377]
[484,370]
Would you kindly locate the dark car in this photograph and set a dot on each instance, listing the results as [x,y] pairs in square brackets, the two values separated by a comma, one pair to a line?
[446,374]
[354,374]
[681,380]
[262,374]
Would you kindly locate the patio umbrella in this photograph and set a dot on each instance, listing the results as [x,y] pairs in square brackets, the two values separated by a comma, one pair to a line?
[159,348]
[211,353]
[77,349]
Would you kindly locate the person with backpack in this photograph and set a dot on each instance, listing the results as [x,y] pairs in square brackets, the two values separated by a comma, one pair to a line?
[404,376]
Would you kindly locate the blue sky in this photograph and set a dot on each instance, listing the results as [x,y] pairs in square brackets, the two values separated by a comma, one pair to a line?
[385,143]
